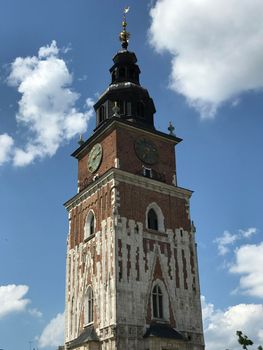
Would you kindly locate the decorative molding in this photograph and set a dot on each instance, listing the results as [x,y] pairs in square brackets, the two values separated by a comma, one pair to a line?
[136,180]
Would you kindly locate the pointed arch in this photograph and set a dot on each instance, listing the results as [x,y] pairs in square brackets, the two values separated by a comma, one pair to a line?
[154,218]
[159,301]
[90,224]
[89,306]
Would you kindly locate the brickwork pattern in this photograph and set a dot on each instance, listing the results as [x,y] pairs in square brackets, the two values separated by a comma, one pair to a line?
[119,144]
[122,261]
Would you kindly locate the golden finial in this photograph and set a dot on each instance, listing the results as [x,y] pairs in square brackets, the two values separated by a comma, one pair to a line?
[124,35]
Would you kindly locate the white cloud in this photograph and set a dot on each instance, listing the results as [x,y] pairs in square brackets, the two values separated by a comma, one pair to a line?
[13,299]
[53,333]
[47,51]
[220,326]
[83,78]
[6,143]
[89,102]
[47,108]
[216,48]
[227,239]
[224,241]
[249,232]
[248,263]
[35,312]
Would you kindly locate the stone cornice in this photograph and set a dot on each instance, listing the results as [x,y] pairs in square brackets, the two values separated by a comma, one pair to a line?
[132,179]
[113,123]
[89,190]
[151,184]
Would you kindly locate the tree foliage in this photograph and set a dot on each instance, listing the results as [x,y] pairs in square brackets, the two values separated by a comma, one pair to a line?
[244,341]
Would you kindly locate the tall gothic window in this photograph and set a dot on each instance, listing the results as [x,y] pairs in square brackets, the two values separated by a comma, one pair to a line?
[101,114]
[89,225]
[157,302]
[88,310]
[152,220]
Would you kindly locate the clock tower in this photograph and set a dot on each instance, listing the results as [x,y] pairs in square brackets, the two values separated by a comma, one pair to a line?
[132,273]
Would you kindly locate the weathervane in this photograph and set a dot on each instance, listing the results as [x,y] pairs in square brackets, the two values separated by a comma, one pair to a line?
[124,35]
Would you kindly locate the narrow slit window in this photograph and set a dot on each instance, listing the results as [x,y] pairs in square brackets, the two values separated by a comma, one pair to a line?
[129,108]
[101,114]
[92,225]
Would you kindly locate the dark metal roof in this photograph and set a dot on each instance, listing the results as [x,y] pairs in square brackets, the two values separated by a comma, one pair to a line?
[163,331]
[87,335]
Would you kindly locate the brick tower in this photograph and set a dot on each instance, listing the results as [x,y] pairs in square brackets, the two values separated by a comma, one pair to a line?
[132,274]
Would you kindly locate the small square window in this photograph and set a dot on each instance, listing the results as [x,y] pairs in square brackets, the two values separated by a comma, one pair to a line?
[147,172]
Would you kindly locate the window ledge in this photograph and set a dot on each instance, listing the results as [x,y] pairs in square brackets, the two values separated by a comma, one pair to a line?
[88,324]
[89,238]
[159,320]
[156,232]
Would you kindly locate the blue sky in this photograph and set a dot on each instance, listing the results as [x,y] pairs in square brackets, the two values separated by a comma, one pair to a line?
[202,64]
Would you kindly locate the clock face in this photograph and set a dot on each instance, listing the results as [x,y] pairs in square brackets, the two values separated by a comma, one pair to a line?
[146,150]
[95,157]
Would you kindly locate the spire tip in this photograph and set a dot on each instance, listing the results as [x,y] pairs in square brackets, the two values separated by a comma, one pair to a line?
[124,35]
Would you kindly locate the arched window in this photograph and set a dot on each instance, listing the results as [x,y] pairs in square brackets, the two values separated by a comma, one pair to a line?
[88,308]
[152,220]
[157,302]
[89,228]
[91,224]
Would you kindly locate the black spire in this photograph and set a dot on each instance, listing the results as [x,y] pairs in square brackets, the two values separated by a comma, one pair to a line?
[125,91]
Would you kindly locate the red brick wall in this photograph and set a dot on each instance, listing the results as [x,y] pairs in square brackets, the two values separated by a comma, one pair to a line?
[119,143]
[108,143]
[134,201]
[100,203]
[131,163]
